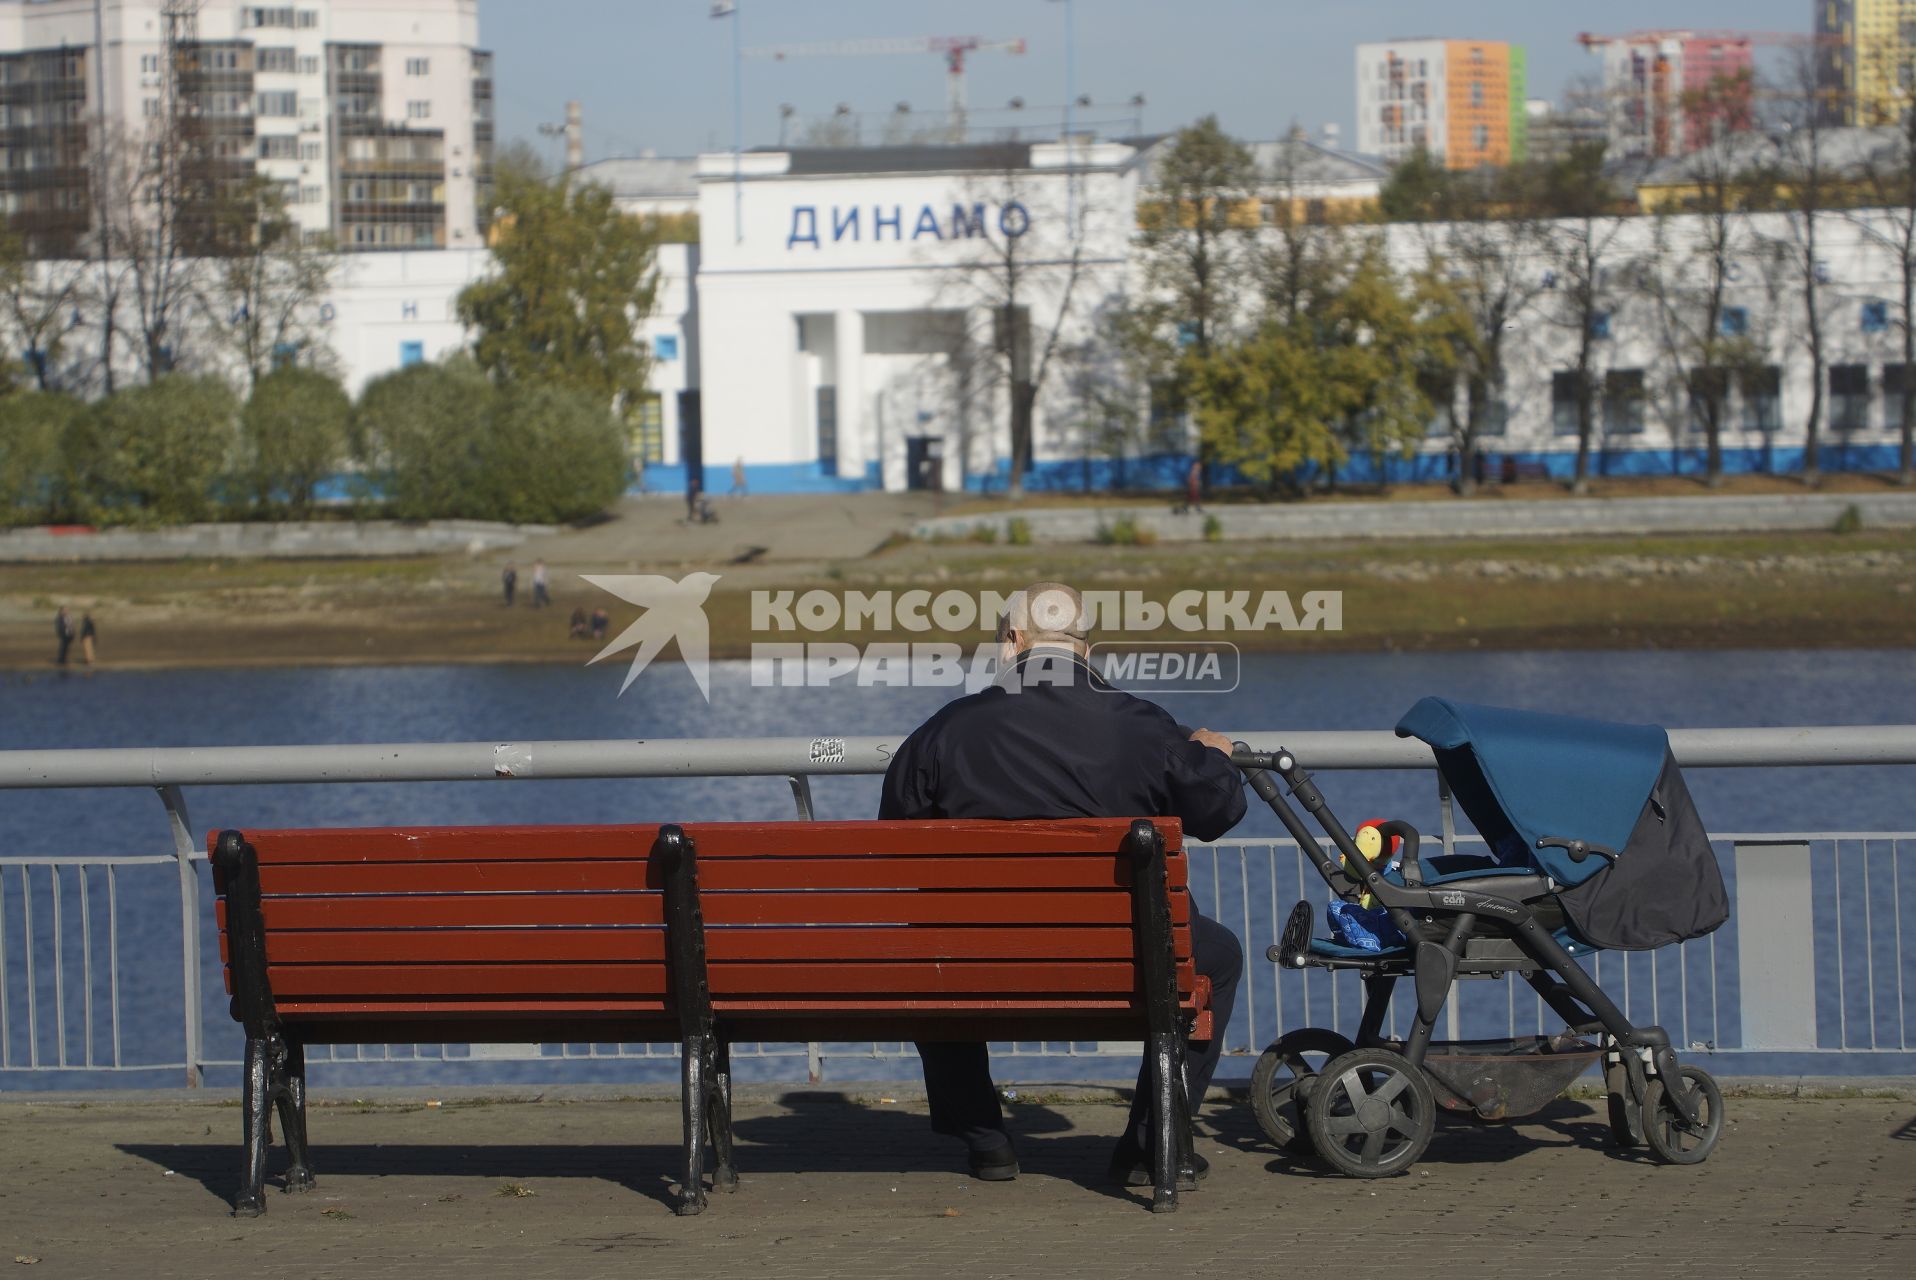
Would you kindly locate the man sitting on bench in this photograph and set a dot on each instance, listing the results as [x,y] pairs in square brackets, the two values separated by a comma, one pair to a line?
[1051,739]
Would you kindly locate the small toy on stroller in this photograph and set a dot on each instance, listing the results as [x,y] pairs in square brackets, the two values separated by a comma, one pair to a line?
[1593,843]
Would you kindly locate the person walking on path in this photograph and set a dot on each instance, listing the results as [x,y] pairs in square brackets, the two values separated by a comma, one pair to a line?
[509,582]
[541,587]
[88,635]
[738,477]
[1194,487]
[63,630]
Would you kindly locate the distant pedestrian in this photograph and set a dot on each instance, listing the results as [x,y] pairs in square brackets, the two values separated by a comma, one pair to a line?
[541,588]
[63,629]
[1194,486]
[509,580]
[600,621]
[738,477]
[89,634]
[692,487]
[576,626]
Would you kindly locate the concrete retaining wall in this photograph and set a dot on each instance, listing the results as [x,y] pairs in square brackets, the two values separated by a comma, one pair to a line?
[1475,518]
[309,540]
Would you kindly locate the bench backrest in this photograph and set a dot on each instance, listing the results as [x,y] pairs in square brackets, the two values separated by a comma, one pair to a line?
[886,924]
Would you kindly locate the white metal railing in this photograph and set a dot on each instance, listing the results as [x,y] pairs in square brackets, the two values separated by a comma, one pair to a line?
[1813,972]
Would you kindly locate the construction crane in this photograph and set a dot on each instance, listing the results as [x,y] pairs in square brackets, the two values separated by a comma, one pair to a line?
[954,49]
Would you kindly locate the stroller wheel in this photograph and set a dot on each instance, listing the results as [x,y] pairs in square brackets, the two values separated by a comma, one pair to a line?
[1371,1113]
[1675,1140]
[1283,1079]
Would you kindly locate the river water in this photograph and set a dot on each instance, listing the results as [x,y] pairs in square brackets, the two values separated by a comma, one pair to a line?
[106,708]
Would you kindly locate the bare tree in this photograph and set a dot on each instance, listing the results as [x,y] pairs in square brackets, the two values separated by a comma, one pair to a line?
[262,291]
[39,300]
[1803,185]
[1021,267]
[1889,225]
[1580,243]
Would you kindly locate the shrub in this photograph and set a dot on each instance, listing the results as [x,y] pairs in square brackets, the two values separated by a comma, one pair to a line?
[153,454]
[984,532]
[32,426]
[293,435]
[419,431]
[548,455]
[1018,531]
[1213,529]
[1123,532]
[1851,521]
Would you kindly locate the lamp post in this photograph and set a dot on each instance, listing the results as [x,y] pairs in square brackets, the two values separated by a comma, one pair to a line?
[1070,106]
[729,9]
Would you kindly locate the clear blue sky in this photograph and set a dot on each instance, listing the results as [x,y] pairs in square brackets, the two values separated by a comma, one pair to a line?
[658,73]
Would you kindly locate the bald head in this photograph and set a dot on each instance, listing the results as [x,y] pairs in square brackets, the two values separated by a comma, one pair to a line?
[1043,613]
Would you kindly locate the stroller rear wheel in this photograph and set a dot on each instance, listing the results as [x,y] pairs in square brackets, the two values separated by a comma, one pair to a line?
[1282,1082]
[1674,1139]
[1371,1113]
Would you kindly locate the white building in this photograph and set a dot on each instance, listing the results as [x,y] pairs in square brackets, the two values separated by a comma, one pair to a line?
[373,116]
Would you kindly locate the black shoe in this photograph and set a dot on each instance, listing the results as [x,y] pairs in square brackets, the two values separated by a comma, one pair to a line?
[994,1164]
[1131,1167]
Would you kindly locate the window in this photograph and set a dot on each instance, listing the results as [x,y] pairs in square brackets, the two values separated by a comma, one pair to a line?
[278,146]
[1875,317]
[1563,402]
[310,151]
[418,66]
[1623,402]
[1734,322]
[150,63]
[1709,398]
[1441,391]
[1600,325]
[411,353]
[418,110]
[150,107]
[1762,399]
[648,432]
[262,16]
[1476,93]
[1480,137]
[1849,397]
[308,18]
[275,59]
[312,195]
[1896,384]
[309,64]
[665,346]
[278,102]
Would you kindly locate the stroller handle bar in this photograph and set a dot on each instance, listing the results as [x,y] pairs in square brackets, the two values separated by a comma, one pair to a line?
[1349,873]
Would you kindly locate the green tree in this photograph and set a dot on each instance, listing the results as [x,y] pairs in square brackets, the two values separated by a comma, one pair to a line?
[575,277]
[293,435]
[418,432]
[548,455]
[1196,228]
[154,454]
[32,425]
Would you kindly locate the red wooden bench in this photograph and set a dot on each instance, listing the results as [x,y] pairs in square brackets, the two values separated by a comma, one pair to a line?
[705,934]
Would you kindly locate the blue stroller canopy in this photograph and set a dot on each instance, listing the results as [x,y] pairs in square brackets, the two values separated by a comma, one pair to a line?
[1522,776]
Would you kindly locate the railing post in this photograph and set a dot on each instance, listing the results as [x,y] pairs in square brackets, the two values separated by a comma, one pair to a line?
[183,849]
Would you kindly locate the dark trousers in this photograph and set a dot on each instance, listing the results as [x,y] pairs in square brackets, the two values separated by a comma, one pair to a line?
[964,1101]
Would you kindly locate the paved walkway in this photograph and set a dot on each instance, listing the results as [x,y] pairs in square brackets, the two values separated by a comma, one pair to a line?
[578,1189]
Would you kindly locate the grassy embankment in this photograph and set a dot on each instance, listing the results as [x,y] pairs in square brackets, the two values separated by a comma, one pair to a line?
[1723,591]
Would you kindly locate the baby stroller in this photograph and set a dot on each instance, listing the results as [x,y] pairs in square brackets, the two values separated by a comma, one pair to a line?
[1593,843]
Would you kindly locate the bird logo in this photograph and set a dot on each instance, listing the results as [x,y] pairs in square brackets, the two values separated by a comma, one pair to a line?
[672,611]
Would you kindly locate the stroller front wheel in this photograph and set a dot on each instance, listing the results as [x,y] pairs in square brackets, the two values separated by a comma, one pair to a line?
[1282,1081]
[1371,1113]
[1671,1137]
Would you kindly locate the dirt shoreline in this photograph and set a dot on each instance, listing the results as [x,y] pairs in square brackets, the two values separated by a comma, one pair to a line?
[1765,591]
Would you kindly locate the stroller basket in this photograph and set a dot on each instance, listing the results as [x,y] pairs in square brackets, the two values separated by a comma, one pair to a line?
[1499,1079]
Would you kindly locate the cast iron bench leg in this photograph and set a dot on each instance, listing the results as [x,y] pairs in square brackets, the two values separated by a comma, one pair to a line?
[292,1118]
[693,1062]
[719,1118]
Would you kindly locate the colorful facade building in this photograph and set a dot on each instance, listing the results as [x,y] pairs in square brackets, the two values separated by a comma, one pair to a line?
[1866,60]
[1462,101]
[1666,93]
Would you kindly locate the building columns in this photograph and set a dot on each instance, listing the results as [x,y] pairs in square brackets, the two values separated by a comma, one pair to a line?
[848,341]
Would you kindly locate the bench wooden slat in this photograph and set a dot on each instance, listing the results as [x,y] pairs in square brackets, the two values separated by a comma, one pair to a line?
[415,946]
[506,910]
[714,839]
[733,979]
[1089,871]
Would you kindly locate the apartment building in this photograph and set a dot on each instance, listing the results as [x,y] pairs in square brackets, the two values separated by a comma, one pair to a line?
[374,117]
[1665,93]
[1865,59]
[1461,101]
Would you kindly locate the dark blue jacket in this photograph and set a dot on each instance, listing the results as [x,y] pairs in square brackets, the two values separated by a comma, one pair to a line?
[1062,744]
